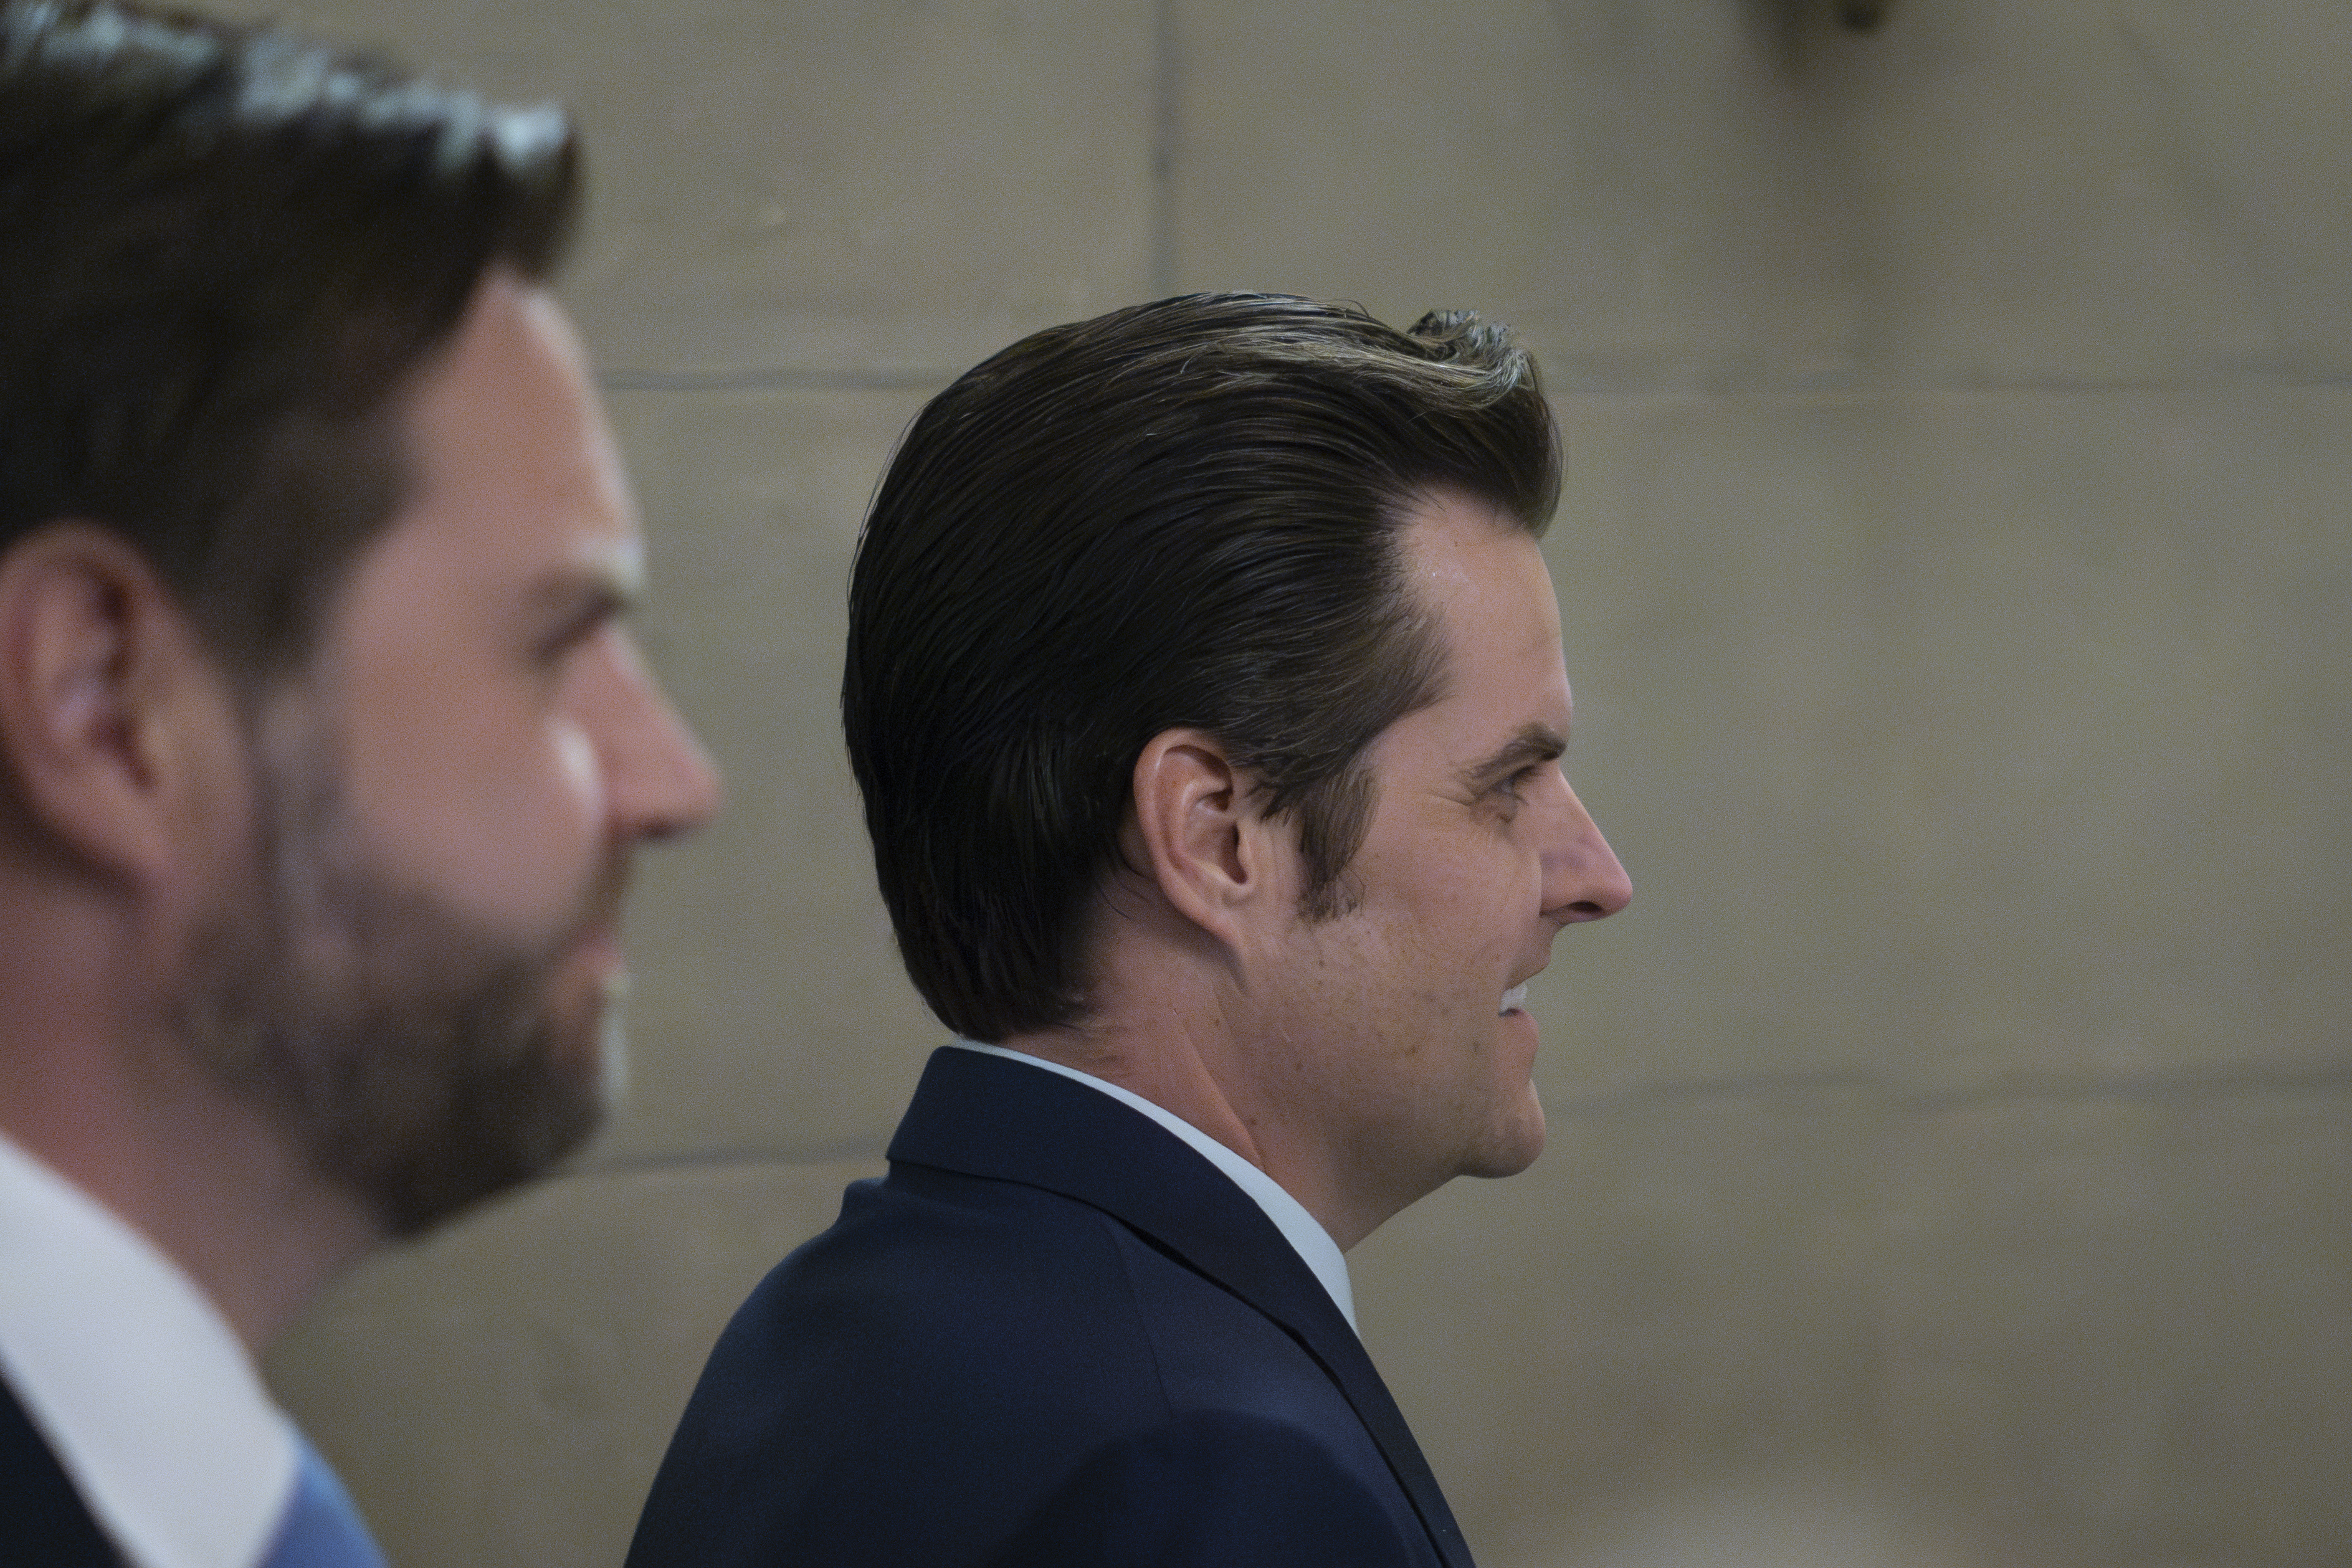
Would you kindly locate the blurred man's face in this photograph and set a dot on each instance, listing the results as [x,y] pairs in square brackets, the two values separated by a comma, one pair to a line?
[420,978]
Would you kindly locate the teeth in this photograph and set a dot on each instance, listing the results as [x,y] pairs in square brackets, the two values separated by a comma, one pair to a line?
[1513,1000]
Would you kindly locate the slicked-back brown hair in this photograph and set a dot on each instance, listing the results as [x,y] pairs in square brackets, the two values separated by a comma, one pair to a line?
[223,250]
[1186,513]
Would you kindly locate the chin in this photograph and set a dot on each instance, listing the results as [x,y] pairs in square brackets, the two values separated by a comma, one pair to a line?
[1511,1160]
[1515,1142]
[579,1014]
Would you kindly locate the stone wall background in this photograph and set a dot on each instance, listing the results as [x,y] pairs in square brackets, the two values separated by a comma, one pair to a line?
[1952,1147]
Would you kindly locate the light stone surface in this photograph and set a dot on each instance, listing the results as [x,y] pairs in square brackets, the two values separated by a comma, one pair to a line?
[2016,1329]
[770,1013]
[503,1392]
[1635,187]
[1949,1145]
[1957,737]
[1690,193]
[2106,1320]
[1679,1291]
[2252,97]
[844,190]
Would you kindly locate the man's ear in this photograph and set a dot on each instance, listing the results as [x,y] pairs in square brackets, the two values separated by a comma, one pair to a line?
[114,722]
[1205,842]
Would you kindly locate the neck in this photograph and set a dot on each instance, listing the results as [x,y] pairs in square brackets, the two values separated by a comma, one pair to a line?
[1163,1024]
[212,1186]
[119,1110]
[1155,1056]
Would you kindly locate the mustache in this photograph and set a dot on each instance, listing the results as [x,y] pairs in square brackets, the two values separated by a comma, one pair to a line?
[600,902]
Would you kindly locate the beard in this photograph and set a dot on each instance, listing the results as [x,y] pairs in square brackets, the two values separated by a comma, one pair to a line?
[411,1057]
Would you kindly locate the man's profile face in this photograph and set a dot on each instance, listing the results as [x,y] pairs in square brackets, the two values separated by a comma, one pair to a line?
[1410,1044]
[420,976]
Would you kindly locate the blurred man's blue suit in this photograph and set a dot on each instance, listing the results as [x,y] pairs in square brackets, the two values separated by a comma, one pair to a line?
[1054,1334]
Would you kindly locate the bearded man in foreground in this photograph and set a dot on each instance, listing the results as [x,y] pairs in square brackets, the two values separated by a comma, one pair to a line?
[324,750]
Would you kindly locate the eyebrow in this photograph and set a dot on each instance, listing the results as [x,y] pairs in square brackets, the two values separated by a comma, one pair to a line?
[1534,742]
[588,590]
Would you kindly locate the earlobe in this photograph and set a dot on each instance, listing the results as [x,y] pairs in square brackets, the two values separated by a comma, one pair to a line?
[98,668]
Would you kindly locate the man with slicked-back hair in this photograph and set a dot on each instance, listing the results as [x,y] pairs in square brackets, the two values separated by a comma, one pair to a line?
[324,750]
[1205,686]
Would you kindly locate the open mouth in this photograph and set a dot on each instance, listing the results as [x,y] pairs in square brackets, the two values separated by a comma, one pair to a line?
[1513,1000]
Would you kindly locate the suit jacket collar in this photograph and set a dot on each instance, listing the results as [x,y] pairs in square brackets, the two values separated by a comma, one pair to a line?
[986,1116]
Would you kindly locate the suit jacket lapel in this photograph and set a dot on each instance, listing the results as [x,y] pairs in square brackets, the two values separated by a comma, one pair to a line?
[41,1513]
[986,1116]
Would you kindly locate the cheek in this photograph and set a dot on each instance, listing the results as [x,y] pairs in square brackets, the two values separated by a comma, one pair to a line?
[535,826]
[499,817]
[579,780]
[1473,911]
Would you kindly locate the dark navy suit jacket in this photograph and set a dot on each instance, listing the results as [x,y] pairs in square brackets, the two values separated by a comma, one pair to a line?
[1052,1334]
[42,1517]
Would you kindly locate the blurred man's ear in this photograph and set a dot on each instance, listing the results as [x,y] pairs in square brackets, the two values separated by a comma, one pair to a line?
[119,736]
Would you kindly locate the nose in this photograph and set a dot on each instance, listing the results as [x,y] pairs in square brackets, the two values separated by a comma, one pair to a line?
[1583,879]
[659,781]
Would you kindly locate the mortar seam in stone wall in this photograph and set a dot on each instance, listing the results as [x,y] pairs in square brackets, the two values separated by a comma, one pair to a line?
[2317,1082]
[784,378]
[1563,384]
[1563,387]
[2010,1089]
[848,1152]
[2007,1089]
[1165,108]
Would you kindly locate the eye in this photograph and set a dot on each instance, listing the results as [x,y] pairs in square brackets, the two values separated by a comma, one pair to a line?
[1513,788]
[572,633]
[551,654]
[570,637]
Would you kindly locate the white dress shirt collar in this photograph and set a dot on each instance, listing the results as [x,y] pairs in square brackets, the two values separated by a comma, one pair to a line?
[1306,1237]
[142,1389]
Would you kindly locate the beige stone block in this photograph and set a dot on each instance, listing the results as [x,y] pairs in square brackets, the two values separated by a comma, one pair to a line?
[1799,1518]
[770,1012]
[1812,1324]
[2127,1319]
[1638,188]
[1955,737]
[823,189]
[1688,194]
[2036,204]
[2257,92]
[1677,1294]
[503,1393]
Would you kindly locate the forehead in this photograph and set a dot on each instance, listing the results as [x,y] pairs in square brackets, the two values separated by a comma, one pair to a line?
[512,467]
[1482,578]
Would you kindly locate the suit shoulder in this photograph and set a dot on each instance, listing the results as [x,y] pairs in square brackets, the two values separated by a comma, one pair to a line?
[926,1255]
[947,1308]
[1216,1487]
[902,1382]
[921,1381]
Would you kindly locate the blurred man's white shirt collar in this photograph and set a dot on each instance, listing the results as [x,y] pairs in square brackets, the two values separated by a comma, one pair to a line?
[143,1392]
[1307,1238]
